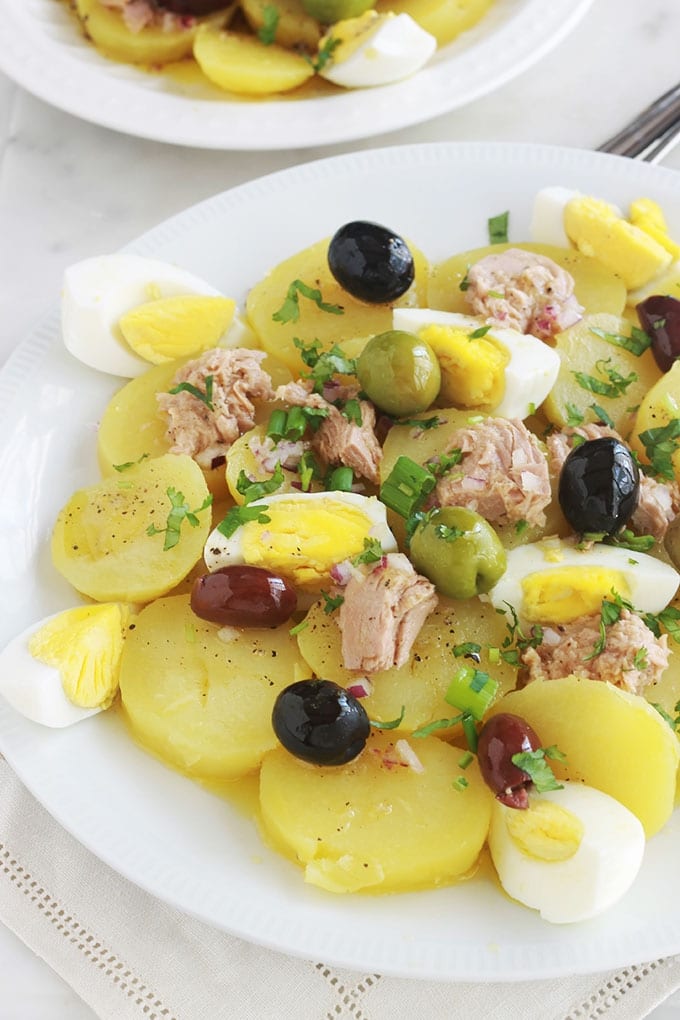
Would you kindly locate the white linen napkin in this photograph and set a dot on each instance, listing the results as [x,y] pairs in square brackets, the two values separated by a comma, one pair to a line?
[131,957]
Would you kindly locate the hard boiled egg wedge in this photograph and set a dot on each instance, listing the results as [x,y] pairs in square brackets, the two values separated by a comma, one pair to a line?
[571,855]
[299,536]
[65,668]
[554,581]
[375,49]
[99,292]
[506,372]
[635,249]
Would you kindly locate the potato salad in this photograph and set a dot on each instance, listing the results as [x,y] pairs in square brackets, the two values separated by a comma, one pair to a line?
[268,47]
[399,539]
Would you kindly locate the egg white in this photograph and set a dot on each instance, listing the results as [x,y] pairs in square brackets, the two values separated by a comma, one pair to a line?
[547,218]
[33,688]
[652,584]
[584,885]
[530,373]
[394,48]
[98,291]
[221,551]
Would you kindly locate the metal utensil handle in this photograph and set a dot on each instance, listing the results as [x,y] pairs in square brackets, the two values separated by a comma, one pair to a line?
[648,127]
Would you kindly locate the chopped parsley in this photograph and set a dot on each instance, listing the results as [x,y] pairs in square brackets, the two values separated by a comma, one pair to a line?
[660,445]
[421,423]
[352,411]
[129,463]
[302,625]
[498,228]
[574,415]
[535,765]
[640,660]
[308,469]
[331,602]
[465,282]
[179,512]
[617,385]
[477,334]
[393,724]
[516,640]
[468,649]
[440,465]
[521,527]
[290,309]
[602,415]
[206,396]
[324,365]
[637,343]
[448,533]
[373,552]
[610,613]
[251,490]
[239,515]
[270,22]
[325,54]
[669,617]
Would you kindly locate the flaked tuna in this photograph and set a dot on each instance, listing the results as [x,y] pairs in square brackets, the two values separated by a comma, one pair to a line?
[503,474]
[382,613]
[523,291]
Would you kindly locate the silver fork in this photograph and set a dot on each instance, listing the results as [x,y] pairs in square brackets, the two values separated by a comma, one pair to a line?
[653,133]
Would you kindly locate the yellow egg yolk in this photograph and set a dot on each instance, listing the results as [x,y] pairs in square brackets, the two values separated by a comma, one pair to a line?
[565,593]
[472,368]
[85,645]
[175,327]
[302,542]
[596,228]
[347,36]
[647,214]
[545,831]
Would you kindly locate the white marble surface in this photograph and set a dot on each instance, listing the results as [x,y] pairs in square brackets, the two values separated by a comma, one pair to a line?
[69,189]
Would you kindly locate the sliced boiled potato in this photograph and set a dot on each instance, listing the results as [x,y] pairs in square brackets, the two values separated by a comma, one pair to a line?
[659,407]
[241,458]
[201,703]
[242,64]
[420,685]
[351,329]
[600,363]
[294,27]
[102,543]
[151,45]
[595,286]
[444,19]
[613,740]
[373,824]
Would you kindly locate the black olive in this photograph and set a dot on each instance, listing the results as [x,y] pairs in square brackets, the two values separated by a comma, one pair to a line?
[599,486]
[371,262]
[318,721]
[660,318]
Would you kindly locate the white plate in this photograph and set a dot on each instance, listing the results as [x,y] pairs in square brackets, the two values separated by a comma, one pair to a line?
[155,827]
[43,50]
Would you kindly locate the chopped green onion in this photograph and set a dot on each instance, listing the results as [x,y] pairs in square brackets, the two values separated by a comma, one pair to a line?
[470,731]
[340,479]
[460,783]
[394,724]
[276,429]
[438,724]
[472,691]
[298,627]
[498,228]
[466,760]
[406,486]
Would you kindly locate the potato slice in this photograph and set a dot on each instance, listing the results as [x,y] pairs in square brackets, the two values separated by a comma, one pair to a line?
[603,363]
[101,542]
[242,64]
[200,703]
[375,824]
[294,26]
[153,45]
[659,407]
[420,685]
[444,19]
[351,330]
[242,458]
[613,740]
[595,286]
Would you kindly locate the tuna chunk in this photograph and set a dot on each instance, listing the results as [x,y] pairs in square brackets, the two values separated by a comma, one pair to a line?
[237,379]
[339,440]
[523,291]
[382,614]
[658,503]
[503,474]
[632,657]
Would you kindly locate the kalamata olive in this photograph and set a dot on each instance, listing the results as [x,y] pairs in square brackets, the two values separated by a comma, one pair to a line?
[196,8]
[399,372]
[459,551]
[599,486]
[660,318]
[371,262]
[320,722]
[500,738]
[243,596]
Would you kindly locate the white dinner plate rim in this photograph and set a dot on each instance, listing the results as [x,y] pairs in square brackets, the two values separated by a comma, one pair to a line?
[40,54]
[421,958]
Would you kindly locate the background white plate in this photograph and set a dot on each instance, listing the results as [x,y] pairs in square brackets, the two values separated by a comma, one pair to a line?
[43,50]
[160,830]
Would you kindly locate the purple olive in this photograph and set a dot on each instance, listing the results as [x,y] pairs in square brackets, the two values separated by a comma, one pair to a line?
[243,596]
[500,738]
[660,318]
[194,8]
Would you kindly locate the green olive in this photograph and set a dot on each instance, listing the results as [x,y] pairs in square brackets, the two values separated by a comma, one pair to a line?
[399,372]
[458,551]
[671,541]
